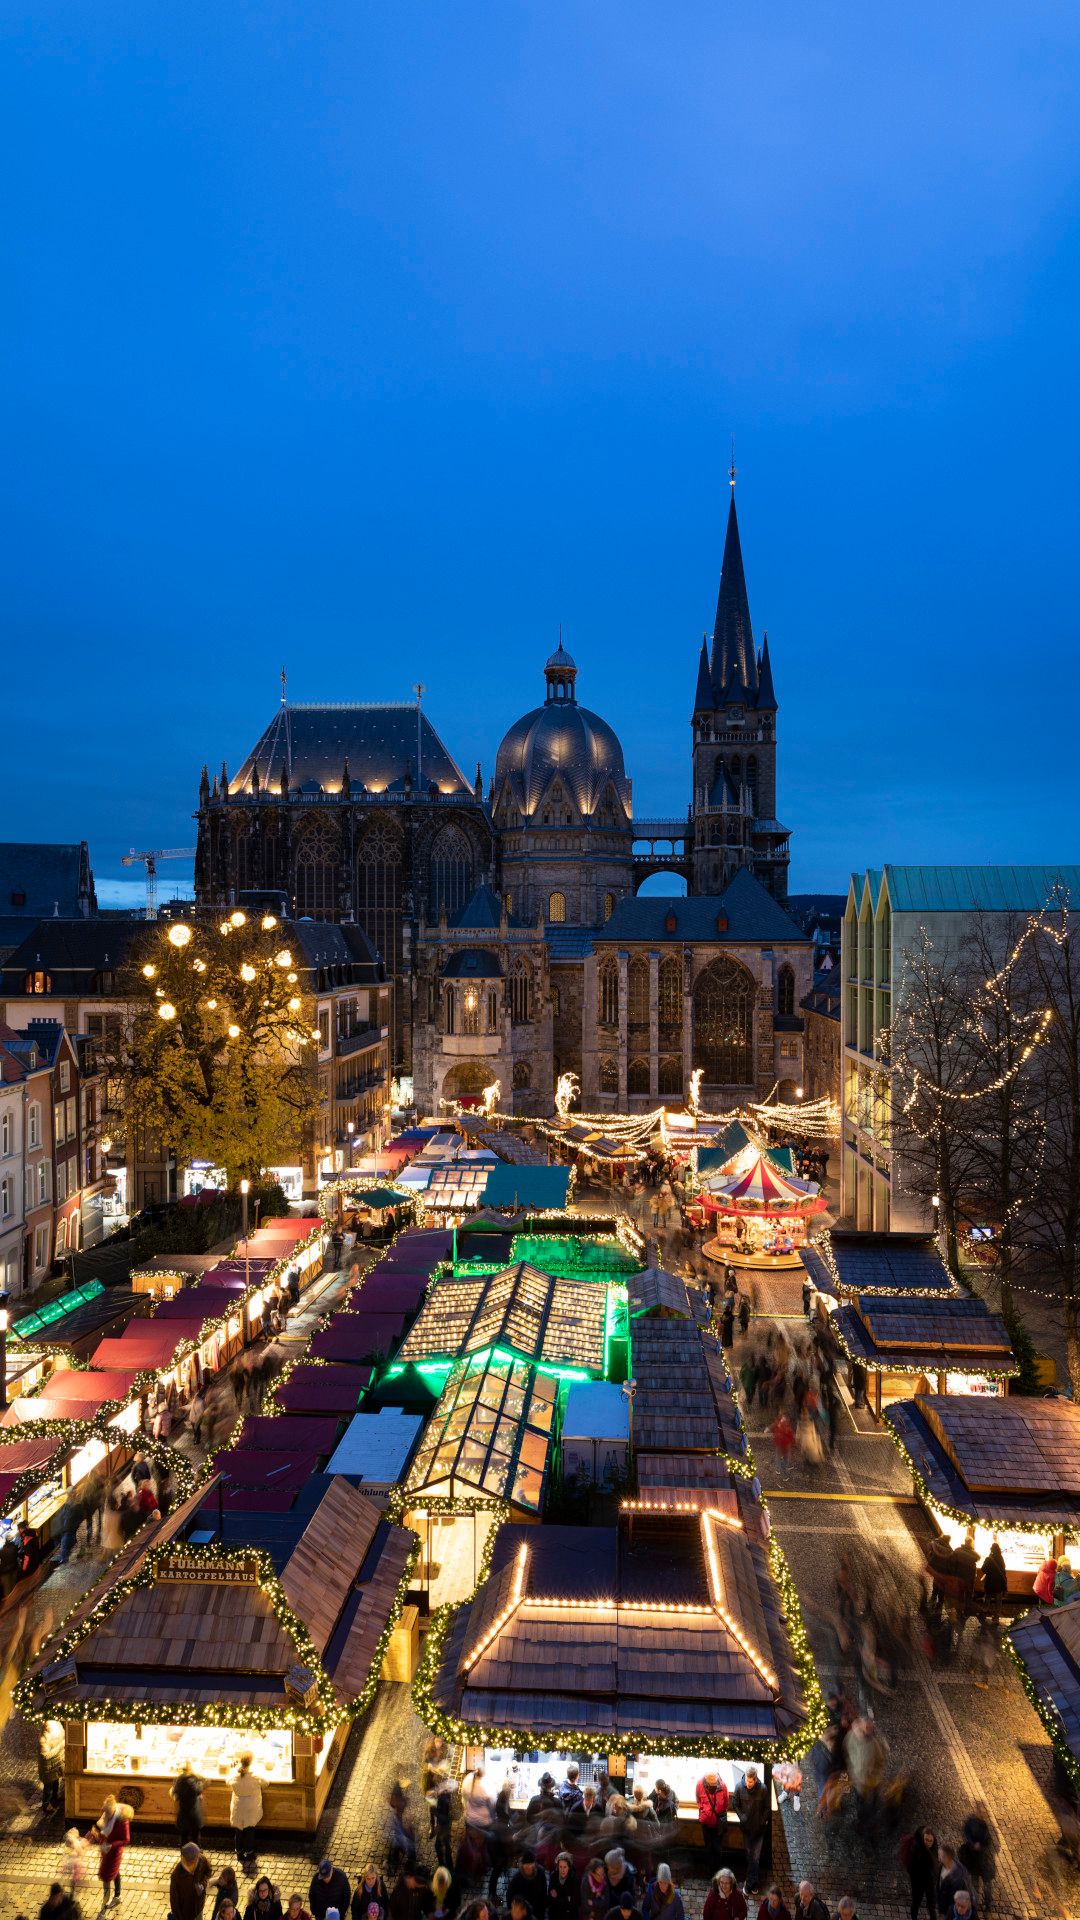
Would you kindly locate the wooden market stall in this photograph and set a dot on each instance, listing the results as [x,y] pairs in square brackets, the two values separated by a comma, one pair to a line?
[912,1345]
[205,1651]
[1046,1647]
[843,1263]
[1007,1468]
[657,1647]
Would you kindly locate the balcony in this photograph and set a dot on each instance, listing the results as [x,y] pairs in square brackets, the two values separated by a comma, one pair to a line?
[358,1040]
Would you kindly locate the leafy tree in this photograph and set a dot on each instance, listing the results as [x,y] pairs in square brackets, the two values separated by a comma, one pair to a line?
[213,1059]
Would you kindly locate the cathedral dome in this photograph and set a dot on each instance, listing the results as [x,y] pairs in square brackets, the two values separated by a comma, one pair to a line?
[561,738]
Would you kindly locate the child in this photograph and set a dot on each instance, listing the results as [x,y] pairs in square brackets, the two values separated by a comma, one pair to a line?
[73,1861]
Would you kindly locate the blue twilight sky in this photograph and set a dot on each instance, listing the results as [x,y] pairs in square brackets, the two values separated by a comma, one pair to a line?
[378,339]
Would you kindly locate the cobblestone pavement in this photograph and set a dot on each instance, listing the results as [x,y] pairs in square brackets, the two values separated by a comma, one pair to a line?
[957,1743]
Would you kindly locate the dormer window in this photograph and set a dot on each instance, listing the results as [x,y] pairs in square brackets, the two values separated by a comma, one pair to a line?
[37,981]
[721,923]
[671,924]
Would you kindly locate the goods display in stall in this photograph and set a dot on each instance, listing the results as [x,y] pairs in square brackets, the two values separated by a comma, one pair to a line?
[490,1436]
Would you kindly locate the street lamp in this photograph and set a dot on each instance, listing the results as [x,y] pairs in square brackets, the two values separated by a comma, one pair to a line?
[245,1189]
[629,1389]
[5,1322]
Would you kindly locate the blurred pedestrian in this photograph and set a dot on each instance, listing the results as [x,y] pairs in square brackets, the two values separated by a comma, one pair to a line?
[918,1857]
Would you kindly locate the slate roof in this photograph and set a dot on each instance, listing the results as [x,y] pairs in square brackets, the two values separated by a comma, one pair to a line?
[957,1335]
[41,878]
[1005,1460]
[751,913]
[75,953]
[472,963]
[570,943]
[888,1263]
[483,908]
[682,1405]
[379,743]
[562,739]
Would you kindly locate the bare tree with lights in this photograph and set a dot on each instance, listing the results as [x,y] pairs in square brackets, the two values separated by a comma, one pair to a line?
[1052,1222]
[933,1077]
[1001,1117]
[214,1060]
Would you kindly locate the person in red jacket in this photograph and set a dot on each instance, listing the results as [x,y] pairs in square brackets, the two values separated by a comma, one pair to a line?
[725,1899]
[712,1804]
[112,1831]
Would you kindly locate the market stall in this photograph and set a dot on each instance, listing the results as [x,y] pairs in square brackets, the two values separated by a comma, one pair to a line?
[908,1346]
[561,1323]
[843,1263]
[1007,1468]
[565,1652]
[1046,1647]
[762,1216]
[321,1388]
[202,1653]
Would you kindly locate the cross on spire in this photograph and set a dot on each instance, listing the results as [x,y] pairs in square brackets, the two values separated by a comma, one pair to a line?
[733,469]
[283,681]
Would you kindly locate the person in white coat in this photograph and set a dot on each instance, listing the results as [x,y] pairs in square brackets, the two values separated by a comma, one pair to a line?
[246,1809]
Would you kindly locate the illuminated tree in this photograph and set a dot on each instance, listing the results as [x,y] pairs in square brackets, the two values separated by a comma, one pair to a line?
[1052,1222]
[933,1072]
[212,1061]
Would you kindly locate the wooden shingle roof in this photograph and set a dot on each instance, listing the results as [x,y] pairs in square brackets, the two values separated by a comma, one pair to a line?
[327,1557]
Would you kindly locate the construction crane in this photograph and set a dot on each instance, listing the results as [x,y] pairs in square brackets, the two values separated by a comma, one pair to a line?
[149,859]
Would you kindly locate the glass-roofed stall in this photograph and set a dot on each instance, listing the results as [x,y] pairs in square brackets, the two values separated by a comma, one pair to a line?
[561,1323]
[488,1442]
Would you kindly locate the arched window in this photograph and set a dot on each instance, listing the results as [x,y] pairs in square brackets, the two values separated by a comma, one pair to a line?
[37,982]
[378,891]
[735,772]
[671,992]
[609,993]
[609,905]
[669,1079]
[557,909]
[508,903]
[522,1074]
[246,847]
[470,1010]
[637,992]
[752,779]
[316,872]
[451,871]
[724,1024]
[785,990]
[520,993]
[609,1074]
[451,1010]
[637,1076]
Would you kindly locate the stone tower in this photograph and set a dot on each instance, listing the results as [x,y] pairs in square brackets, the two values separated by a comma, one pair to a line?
[734,752]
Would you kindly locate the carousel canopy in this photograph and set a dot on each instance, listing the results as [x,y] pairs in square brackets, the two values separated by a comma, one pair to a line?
[763,1185]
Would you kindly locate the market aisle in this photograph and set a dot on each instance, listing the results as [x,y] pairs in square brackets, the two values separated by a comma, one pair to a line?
[957,1743]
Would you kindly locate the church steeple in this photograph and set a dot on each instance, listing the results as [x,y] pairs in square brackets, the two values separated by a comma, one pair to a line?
[733,666]
[703,698]
[766,698]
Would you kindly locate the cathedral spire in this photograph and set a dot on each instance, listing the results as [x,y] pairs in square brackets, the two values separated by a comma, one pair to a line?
[733,665]
[766,698]
[703,698]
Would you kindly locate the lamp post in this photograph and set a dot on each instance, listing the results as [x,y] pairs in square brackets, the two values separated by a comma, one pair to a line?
[5,1322]
[629,1390]
[245,1189]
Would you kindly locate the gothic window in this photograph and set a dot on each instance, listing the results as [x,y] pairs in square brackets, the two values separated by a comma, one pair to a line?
[752,780]
[520,994]
[669,1080]
[671,991]
[637,1077]
[785,991]
[378,891]
[451,871]
[316,872]
[470,1011]
[522,1074]
[724,1024]
[247,873]
[735,772]
[451,1010]
[557,909]
[637,992]
[609,1074]
[609,993]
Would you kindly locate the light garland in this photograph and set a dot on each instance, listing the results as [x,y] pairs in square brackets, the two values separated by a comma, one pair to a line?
[1046,1708]
[78,1432]
[948,1362]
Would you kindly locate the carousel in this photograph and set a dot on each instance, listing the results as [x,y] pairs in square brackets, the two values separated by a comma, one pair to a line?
[762,1214]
